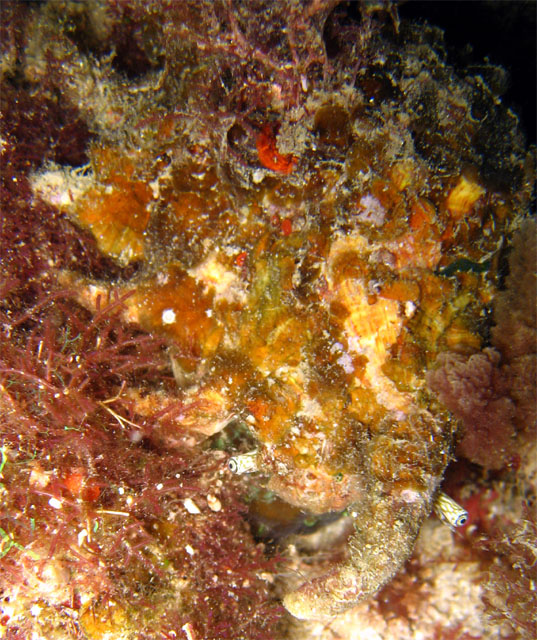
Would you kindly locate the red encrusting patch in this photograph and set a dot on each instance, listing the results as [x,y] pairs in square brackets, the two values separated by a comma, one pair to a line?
[241,259]
[79,487]
[268,154]
[286,227]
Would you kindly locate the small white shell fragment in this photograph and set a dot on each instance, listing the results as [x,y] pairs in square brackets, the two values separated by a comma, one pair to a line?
[189,631]
[55,503]
[214,503]
[82,535]
[191,506]
[258,176]
[168,316]
[38,478]
[243,463]
[189,550]
[449,511]
[410,308]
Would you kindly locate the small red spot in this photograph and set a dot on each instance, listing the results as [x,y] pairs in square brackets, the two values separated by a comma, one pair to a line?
[241,259]
[91,492]
[286,226]
[79,487]
[73,482]
[268,154]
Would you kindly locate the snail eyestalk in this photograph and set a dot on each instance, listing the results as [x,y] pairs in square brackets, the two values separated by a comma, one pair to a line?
[449,511]
[243,463]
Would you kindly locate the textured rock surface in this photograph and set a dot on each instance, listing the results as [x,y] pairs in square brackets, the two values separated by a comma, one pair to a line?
[308,209]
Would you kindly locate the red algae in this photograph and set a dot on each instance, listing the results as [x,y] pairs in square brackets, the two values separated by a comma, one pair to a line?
[82,497]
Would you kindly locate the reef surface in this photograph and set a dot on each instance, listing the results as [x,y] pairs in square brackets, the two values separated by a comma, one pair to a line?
[311,211]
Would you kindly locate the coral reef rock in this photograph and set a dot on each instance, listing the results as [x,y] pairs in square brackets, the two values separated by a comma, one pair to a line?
[309,205]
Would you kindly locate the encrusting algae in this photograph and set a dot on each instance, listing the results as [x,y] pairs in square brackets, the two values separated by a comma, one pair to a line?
[309,240]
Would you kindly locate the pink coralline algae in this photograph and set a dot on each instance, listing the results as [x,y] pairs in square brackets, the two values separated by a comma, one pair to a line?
[371,211]
[494,392]
[475,391]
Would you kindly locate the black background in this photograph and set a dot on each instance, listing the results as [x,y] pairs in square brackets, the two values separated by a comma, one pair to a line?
[502,31]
